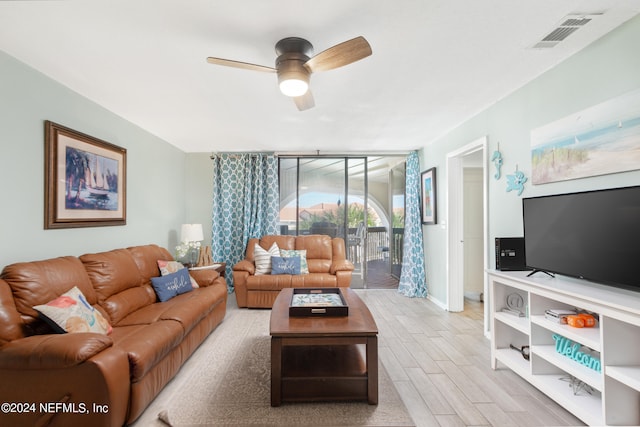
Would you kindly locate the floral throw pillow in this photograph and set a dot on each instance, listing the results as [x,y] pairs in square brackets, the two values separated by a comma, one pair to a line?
[288,253]
[168,267]
[71,312]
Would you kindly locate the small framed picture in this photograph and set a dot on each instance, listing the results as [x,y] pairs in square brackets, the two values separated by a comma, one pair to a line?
[85,180]
[428,188]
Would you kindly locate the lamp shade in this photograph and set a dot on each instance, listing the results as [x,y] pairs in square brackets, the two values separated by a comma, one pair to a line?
[293,87]
[191,233]
[293,77]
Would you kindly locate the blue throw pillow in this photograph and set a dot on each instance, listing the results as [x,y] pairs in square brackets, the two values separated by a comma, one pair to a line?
[173,284]
[283,265]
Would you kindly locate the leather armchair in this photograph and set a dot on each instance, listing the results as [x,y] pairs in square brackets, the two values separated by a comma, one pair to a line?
[326,257]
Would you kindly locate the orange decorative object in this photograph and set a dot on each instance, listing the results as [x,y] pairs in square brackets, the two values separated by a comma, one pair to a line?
[589,320]
[582,320]
[575,320]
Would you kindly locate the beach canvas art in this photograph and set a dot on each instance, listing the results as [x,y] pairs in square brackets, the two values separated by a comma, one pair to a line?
[600,140]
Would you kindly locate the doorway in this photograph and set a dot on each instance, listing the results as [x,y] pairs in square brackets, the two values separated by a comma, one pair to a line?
[473,219]
[462,260]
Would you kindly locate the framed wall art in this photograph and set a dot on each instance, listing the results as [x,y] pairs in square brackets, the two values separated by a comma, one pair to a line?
[85,180]
[599,140]
[429,199]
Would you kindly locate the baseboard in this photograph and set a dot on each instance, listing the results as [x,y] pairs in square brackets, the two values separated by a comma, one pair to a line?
[474,296]
[437,302]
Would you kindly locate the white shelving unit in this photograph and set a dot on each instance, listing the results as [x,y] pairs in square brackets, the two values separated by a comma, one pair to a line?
[614,391]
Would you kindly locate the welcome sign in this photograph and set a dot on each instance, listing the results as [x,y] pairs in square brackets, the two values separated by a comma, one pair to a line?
[568,348]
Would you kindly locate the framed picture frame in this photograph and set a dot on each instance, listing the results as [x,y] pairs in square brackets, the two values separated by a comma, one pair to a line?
[85,180]
[429,197]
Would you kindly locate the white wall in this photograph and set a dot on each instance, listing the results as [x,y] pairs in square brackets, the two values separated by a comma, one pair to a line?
[604,70]
[155,171]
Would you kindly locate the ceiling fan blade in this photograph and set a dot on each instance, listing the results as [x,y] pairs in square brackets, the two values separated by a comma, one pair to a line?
[238,64]
[304,102]
[339,55]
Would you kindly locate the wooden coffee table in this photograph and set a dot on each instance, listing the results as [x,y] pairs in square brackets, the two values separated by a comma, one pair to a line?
[323,358]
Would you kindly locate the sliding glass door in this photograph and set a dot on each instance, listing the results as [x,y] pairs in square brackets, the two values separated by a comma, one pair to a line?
[397,184]
[333,196]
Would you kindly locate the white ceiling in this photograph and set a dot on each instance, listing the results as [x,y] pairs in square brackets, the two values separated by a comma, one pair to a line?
[435,63]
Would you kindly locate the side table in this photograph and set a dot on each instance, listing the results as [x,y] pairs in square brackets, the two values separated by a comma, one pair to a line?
[217,266]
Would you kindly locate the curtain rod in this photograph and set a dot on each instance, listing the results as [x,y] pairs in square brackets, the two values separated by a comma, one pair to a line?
[316,153]
[241,153]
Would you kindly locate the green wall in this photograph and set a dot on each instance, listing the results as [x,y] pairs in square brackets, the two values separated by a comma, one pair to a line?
[604,70]
[199,192]
[155,171]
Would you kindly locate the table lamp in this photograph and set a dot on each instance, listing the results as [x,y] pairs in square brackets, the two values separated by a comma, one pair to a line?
[192,235]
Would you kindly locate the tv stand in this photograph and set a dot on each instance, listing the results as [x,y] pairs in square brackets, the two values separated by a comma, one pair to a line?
[537,270]
[615,342]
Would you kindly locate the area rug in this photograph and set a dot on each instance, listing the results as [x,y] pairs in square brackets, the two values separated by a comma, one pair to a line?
[230,384]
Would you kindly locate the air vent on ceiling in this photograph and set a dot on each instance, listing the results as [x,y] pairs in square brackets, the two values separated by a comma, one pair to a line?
[569,25]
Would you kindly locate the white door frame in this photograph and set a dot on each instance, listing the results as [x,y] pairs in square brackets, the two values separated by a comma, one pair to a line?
[455,229]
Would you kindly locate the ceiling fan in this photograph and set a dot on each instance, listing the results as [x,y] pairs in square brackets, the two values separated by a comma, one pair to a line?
[295,64]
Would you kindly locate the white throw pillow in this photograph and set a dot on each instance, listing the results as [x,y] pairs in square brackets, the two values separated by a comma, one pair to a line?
[263,258]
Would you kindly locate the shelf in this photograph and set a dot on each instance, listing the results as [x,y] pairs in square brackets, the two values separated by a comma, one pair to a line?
[570,366]
[587,407]
[576,292]
[585,336]
[324,361]
[206,267]
[519,323]
[514,361]
[627,375]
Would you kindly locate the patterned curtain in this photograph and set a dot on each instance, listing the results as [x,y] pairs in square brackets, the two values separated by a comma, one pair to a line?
[245,204]
[413,282]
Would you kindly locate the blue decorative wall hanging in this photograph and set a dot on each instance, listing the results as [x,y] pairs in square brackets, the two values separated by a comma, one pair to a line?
[516,181]
[497,161]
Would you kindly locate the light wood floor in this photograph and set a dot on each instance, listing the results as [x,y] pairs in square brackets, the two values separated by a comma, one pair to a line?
[378,277]
[439,363]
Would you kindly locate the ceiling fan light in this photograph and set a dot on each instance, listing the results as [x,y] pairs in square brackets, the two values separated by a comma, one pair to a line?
[293,77]
[294,87]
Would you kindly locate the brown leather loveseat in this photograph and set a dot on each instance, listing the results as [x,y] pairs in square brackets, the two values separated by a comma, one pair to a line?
[327,263]
[89,378]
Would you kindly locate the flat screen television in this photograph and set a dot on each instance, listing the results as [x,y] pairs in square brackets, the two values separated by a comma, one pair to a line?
[592,235]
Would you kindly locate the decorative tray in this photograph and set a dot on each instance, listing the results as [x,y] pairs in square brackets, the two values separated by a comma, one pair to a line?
[318,302]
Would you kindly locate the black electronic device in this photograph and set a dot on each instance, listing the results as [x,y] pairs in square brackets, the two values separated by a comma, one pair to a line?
[593,235]
[510,255]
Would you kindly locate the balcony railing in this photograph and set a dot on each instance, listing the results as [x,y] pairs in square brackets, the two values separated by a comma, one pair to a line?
[378,245]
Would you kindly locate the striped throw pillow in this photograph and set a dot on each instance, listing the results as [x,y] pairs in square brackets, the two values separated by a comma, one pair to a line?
[262,258]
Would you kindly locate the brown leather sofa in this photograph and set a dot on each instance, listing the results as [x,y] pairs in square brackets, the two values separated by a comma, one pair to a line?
[328,268]
[91,379]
